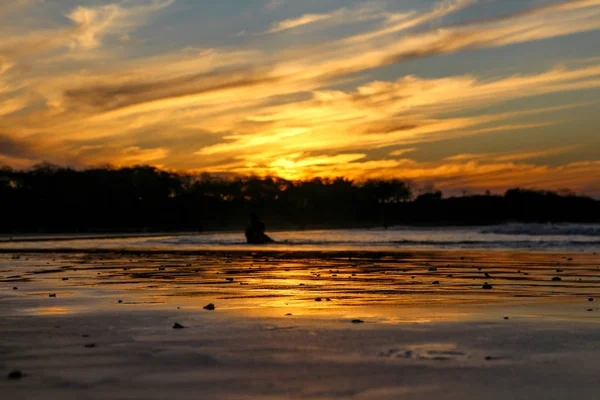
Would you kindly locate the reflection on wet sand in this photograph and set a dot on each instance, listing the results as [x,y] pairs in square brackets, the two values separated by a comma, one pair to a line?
[301,283]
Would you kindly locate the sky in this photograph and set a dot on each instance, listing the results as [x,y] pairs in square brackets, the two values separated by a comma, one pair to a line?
[461,95]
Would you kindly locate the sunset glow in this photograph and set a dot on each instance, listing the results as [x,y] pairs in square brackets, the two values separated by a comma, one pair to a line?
[465,94]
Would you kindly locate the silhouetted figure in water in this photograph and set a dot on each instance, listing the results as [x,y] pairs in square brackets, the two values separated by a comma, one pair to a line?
[255,232]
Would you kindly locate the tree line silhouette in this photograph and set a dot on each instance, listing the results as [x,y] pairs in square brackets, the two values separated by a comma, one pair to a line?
[48,198]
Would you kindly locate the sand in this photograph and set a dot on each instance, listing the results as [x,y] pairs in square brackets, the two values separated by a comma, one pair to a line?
[268,338]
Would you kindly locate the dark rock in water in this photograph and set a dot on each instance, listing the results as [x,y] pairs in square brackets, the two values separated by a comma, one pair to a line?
[177,325]
[328,299]
[120,301]
[229,279]
[318,299]
[435,282]
[487,275]
[15,288]
[16,374]
[488,358]
[487,286]
[209,307]
[432,269]
[591,299]
[65,279]
[302,284]
[255,232]
[161,268]
[358,321]
[590,309]
[89,346]
[449,276]
[569,259]
[556,279]
[288,314]
[52,295]
[506,318]
[559,270]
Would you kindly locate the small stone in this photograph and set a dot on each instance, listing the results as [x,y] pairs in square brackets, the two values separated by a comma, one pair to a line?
[229,279]
[487,286]
[15,288]
[590,309]
[16,374]
[209,307]
[358,321]
[288,314]
[65,279]
[177,325]
[435,282]
[506,318]
[488,358]
[328,299]
[432,269]
[556,279]
[120,301]
[318,299]
[591,299]
[161,268]
[52,295]
[302,284]
[559,270]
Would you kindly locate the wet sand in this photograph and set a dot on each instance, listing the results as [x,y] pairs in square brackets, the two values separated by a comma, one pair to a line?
[304,325]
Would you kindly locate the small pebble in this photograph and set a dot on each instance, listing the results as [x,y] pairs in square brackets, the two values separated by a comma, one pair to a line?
[120,301]
[432,269]
[486,286]
[559,270]
[435,282]
[209,307]
[288,314]
[65,279]
[591,299]
[590,309]
[16,374]
[229,279]
[318,299]
[328,299]
[556,279]
[52,295]
[177,325]
[357,321]
[506,318]
[15,288]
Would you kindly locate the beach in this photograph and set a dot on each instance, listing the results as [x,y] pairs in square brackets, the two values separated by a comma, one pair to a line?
[299,324]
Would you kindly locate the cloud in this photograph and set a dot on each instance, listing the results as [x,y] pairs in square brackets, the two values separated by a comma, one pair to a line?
[94,23]
[296,22]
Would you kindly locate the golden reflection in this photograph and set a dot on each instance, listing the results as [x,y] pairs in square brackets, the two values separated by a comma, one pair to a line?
[51,311]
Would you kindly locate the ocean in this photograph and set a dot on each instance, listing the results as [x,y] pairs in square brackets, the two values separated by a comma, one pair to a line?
[515,236]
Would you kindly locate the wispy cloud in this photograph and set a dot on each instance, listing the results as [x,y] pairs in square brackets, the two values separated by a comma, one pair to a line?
[296,22]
